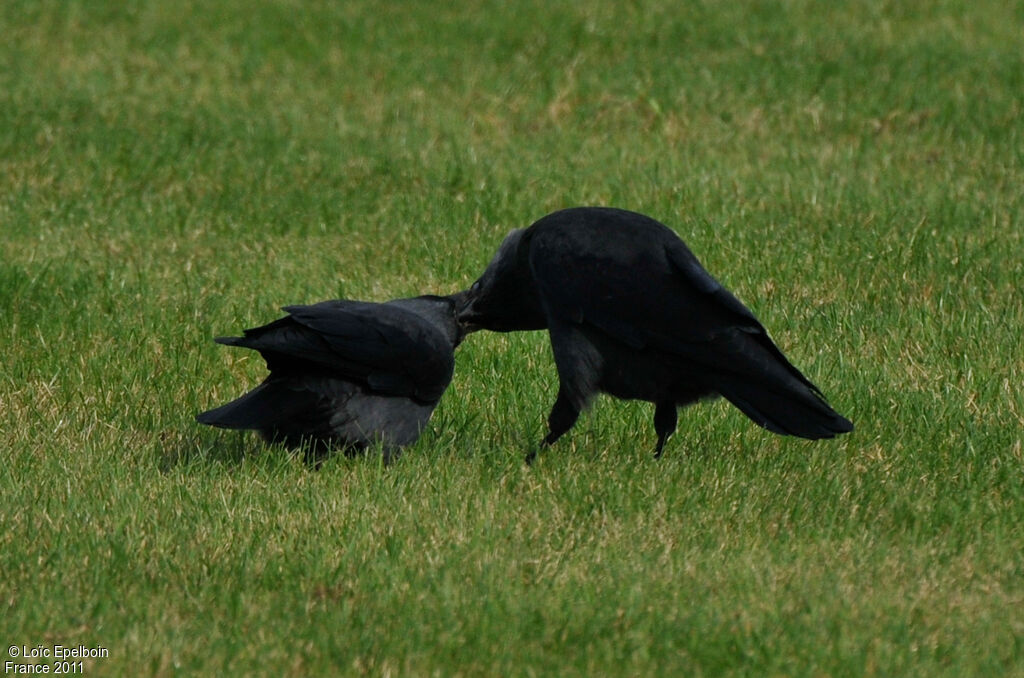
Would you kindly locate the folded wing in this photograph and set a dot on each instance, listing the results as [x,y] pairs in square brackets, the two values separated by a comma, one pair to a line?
[390,350]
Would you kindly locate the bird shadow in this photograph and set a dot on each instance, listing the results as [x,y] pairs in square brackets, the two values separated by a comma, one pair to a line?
[232,449]
[183,450]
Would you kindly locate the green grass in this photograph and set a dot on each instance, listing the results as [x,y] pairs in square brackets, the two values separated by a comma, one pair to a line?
[174,171]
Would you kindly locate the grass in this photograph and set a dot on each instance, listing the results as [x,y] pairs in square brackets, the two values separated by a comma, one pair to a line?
[171,172]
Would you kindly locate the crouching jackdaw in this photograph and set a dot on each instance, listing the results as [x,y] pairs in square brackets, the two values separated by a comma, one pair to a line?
[346,374]
[632,313]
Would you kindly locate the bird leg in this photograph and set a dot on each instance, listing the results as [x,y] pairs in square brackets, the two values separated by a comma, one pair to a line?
[665,419]
[563,415]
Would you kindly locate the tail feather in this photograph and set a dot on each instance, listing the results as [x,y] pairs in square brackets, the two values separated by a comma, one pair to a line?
[785,409]
[766,387]
[264,407]
[231,341]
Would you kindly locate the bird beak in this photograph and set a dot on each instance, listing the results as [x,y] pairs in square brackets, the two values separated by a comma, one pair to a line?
[465,315]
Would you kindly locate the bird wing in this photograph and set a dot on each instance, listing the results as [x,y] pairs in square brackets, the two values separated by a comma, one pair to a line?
[391,350]
[642,292]
[633,279]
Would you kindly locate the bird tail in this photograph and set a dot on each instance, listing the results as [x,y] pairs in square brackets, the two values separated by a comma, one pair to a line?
[767,388]
[233,341]
[804,415]
[262,408]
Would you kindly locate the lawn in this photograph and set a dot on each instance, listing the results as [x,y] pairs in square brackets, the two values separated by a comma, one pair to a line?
[170,172]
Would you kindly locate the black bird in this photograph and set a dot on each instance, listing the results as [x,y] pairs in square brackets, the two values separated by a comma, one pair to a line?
[632,313]
[345,374]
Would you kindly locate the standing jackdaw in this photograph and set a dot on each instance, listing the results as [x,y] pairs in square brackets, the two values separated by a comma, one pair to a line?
[632,313]
[346,374]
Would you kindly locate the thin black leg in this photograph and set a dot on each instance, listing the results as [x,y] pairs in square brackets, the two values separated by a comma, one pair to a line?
[665,419]
[563,415]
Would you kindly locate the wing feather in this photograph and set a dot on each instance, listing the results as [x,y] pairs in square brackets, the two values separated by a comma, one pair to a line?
[391,350]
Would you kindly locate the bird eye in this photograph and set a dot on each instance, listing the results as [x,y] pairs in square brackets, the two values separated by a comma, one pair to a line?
[475,286]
